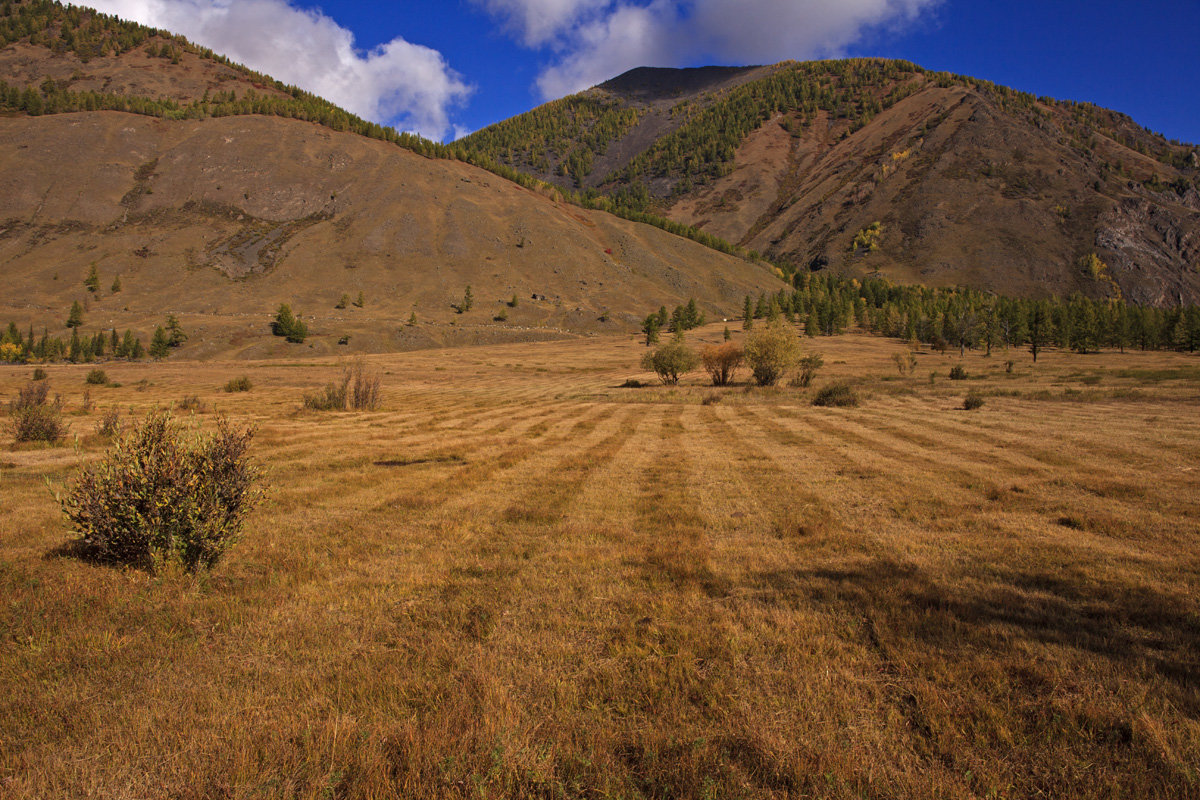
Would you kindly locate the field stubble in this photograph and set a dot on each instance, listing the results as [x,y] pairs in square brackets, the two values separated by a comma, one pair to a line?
[518,580]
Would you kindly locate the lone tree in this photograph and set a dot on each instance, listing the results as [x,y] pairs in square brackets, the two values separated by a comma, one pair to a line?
[771,351]
[288,325]
[92,282]
[671,361]
[75,317]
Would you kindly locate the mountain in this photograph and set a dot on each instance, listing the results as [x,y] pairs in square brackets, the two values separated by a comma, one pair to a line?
[872,166]
[216,194]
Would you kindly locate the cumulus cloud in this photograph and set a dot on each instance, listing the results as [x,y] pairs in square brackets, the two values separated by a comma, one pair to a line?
[593,40]
[398,83]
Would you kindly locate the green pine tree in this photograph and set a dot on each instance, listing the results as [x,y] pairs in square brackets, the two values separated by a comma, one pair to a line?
[75,317]
[160,346]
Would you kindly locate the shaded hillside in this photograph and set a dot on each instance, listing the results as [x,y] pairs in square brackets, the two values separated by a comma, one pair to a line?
[216,213]
[971,183]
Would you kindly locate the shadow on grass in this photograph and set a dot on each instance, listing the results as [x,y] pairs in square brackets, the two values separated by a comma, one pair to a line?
[1135,626]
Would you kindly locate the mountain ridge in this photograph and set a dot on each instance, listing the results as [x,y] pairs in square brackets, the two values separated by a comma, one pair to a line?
[1012,192]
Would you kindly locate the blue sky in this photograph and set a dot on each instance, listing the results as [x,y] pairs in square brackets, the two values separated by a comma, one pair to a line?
[451,67]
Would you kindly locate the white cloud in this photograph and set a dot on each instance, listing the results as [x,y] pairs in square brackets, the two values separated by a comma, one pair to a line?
[538,22]
[398,83]
[594,40]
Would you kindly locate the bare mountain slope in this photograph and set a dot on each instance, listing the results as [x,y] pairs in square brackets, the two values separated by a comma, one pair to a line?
[971,183]
[221,220]
[211,211]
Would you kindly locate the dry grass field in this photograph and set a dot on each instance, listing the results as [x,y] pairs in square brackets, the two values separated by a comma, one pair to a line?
[519,580]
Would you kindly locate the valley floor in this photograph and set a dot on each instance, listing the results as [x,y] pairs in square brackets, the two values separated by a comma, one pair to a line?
[518,580]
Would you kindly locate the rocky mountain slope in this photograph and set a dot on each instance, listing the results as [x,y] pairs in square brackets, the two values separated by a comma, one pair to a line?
[213,212]
[880,167]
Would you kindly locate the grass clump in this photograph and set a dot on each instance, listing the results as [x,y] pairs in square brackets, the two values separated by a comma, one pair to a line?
[958,373]
[972,401]
[242,384]
[839,395]
[159,497]
[356,390]
[97,377]
[34,417]
[39,374]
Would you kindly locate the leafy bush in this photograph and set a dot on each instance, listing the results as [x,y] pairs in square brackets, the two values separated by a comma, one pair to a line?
[670,361]
[97,377]
[158,497]
[356,390]
[34,417]
[241,384]
[836,394]
[721,361]
[771,351]
[957,373]
[972,401]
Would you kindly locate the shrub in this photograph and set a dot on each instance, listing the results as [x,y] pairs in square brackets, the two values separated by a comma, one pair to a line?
[809,365]
[109,424]
[836,394]
[34,417]
[957,373]
[356,390]
[721,361]
[771,351]
[158,497]
[670,361]
[241,384]
[906,362]
[191,402]
[631,383]
[972,401]
[97,377]
[39,374]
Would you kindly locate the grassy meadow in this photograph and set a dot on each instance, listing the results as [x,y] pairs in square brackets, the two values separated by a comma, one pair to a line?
[519,580]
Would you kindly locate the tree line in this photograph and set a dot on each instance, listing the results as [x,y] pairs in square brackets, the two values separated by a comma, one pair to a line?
[967,319]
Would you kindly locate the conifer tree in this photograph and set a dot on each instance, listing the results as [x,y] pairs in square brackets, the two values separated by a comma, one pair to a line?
[160,347]
[75,317]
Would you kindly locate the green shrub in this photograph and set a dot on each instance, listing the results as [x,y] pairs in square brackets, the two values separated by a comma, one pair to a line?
[241,384]
[972,401]
[97,377]
[158,497]
[771,351]
[809,365]
[33,417]
[836,394]
[957,373]
[671,361]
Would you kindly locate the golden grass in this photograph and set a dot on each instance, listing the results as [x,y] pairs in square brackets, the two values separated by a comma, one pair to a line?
[518,580]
